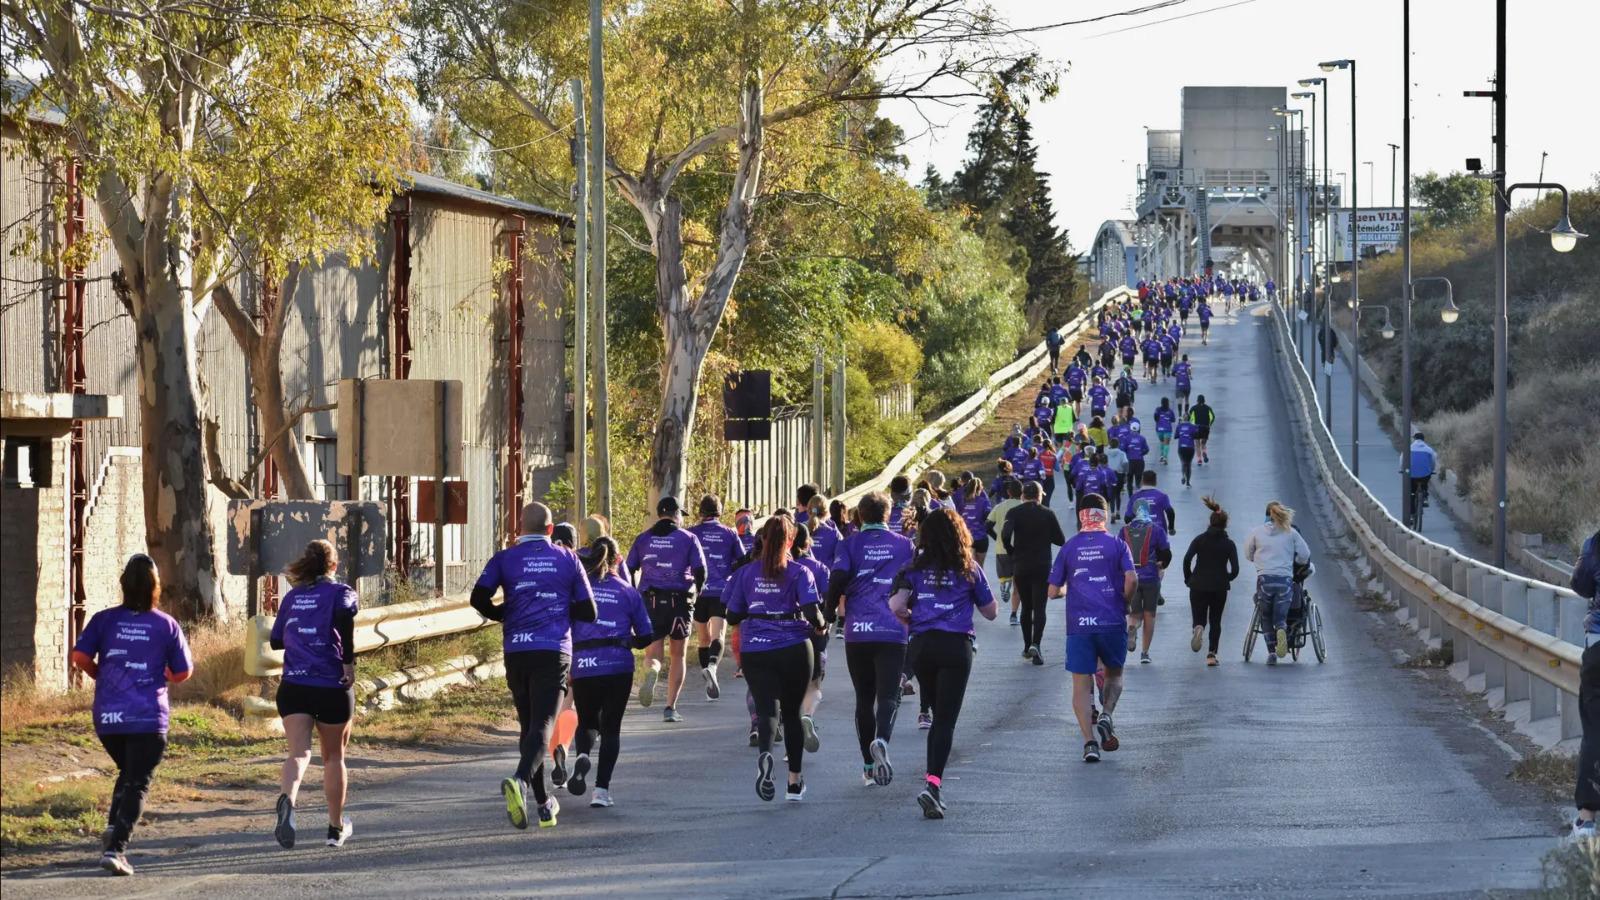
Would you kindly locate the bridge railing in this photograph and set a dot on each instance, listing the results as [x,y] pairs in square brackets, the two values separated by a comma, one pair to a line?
[1515,639]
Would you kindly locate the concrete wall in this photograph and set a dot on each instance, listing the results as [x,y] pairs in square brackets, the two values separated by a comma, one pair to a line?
[1226,128]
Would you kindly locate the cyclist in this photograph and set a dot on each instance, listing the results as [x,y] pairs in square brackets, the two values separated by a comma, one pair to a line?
[1424,462]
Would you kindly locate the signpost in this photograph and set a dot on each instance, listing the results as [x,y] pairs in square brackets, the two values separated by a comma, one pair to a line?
[266,536]
[1378,228]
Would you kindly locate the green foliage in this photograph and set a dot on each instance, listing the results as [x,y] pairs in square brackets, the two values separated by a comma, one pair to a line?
[968,319]
[1453,200]
[884,353]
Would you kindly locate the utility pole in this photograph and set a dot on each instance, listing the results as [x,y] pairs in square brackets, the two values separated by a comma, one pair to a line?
[819,473]
[1502,208]
[1405,270]
[839,424]
[597,258]
[580,316]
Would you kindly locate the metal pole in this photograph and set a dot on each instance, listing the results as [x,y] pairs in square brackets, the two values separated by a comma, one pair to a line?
[839,424]
[1393,148]
[1502,207]
[597,258]
[1406,295]
[819,473]
[580,315]
[1311,231]
[1355,295]
[1328,260]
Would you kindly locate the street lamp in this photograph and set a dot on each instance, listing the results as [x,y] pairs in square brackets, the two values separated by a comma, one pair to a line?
[1327,257]
[1449,315]
[1355,276]
[1309,266]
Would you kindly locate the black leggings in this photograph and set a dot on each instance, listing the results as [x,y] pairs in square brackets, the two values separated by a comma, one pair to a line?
[1207,609]
[875,669]
[600,702]
[778,680]
[1135,475]
[136,756]
[1186,456]
[1031,586]
[538,679]
[944,661]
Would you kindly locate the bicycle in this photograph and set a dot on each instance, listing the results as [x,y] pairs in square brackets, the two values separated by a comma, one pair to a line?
[1419,502]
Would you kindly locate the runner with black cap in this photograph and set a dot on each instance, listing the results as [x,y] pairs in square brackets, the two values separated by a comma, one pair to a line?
[670,566]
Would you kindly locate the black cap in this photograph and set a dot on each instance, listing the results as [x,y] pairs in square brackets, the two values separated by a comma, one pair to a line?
[667,506]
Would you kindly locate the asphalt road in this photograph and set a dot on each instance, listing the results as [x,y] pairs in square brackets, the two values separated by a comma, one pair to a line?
[1349,778]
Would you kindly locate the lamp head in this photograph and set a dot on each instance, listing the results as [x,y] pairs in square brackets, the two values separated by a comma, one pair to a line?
[1564,237]
[1450,313]
[1388,330]
[1304,95]
[1310,82]
[1333,64]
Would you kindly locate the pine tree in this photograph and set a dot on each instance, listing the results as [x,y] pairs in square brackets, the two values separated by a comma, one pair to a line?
[1029,217]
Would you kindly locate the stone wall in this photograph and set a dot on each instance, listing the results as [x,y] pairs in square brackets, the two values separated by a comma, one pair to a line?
[33,572]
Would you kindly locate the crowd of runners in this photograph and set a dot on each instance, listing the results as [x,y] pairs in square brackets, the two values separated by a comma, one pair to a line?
[897,578]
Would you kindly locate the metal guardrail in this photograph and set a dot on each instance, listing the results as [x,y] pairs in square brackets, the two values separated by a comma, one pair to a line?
[400,623]
[1514,638]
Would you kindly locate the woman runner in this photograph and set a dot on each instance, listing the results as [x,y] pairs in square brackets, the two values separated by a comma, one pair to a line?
[602,667]
[801,553]
[776,602]
[315,629]
[935,597]
[1209,566]
[132,652]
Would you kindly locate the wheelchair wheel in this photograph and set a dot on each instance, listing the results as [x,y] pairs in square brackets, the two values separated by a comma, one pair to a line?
[1314,619]
[1250,633]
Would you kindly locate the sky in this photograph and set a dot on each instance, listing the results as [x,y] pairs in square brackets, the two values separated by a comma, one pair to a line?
[1091,136]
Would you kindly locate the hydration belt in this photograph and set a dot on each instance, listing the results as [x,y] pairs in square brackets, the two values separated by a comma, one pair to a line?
[664,594]
[792,616]
[600,644]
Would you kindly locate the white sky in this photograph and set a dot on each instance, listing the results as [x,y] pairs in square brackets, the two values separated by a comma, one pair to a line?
[1091,136]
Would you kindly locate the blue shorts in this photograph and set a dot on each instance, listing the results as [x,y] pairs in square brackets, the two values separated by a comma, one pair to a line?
[1086,651]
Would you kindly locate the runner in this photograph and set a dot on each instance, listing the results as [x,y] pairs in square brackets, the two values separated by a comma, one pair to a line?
[1276,547]
[1118,460]
[1127,387]
[935,596]
[900,493]
[1151,552]
[670,567]
[1082,357]
[132,651]
[1047,456]
[722,548]
[1003,568]
[315,629]
[825,536]
[974,506]
[1029,533]
[1095,573]
[1203,418]
[1052,343]
[1209,567]
[801,552]
[1066,415]
[1098,395]
[1586,795]
[1205,323]
[875,641]
[1182,374]
[1186,440]
[1137,449]
[545,591]
[779,597]
[1157,502]
[602,665]
[1165,417]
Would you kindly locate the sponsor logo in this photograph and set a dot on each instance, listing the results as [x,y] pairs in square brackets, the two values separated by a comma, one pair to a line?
[606,623]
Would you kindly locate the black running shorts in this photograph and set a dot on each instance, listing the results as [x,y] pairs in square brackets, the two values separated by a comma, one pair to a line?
[708,608]
[670,613]
[325,705]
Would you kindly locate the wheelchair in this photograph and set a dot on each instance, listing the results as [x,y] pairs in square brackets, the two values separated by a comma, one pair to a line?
[1304,622]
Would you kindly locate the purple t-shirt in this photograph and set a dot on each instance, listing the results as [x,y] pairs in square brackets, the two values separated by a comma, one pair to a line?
[1091,565]
[1097,398]
[750,592]
[313,649]
[1135,446]
[1153,503]
[541,581]
[872,557]
[722,548]
[1150,569]
[1165,416]
[134,651]
[1186,435]
[975,512]
[944,600]
[825,540]
[817,568]
[619,615]
[1031,469]
[666,561]
[1075,376]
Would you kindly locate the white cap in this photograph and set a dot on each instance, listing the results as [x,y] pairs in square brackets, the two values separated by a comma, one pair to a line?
[1134,426]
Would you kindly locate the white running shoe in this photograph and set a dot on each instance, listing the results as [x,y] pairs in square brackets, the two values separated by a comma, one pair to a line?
[602,797]
[647,687]
[1197,639]
[338,835]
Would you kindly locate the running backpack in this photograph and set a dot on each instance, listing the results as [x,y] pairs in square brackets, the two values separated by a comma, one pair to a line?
[1137,534]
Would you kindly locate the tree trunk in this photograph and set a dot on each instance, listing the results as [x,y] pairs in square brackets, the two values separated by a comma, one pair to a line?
[266,390]
[178,533]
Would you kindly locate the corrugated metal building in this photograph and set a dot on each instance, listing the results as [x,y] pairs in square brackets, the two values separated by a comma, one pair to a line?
[462,297]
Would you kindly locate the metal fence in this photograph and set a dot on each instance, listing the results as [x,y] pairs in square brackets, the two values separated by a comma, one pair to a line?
[1515,639]
[763,475]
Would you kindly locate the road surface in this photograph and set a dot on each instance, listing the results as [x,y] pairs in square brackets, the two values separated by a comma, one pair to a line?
[1350,778]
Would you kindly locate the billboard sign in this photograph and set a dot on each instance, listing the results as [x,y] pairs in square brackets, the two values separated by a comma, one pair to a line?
[1377,227]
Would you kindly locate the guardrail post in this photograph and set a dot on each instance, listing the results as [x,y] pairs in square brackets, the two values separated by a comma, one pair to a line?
[1543,616]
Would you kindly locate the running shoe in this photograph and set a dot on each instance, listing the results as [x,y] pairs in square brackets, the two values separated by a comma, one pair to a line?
[1582,830]
[866,777]
[548,811]
[115,863]
[1197,638]
[907,689]
[1038,658]
[284,831]
[1144,658]
[671,714]
[809,726]
[1272,659]
[1107,737]
[713,690]
[924,721]
[880,772]
[795,792]
[1211,659]
[1133,638]
[764,786]
[602,798]
[1027,652]
[558,772]
[516,806]
[338,834]
[647,687]
[1015,621]
[578,783]
[1091,752]
[932,804]
[1283,642]
[755,738]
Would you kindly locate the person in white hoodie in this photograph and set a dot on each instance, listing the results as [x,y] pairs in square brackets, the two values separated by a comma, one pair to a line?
[1275,547]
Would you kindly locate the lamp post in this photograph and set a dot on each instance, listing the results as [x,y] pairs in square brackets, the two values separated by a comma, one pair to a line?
[1327,259]
[1355,276]
[1407,293]
[1311,217]
[1393,149]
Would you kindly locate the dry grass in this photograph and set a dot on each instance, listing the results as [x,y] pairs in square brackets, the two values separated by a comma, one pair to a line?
[1375,601]
[1552,771]
[1432,658]
[1572,872]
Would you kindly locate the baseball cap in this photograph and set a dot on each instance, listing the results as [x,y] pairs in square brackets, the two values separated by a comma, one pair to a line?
[667,506]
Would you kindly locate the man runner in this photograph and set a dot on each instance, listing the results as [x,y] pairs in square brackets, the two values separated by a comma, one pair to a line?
[1095,572]
[1151,553]
[1203,418]
[722,548]
[670,565]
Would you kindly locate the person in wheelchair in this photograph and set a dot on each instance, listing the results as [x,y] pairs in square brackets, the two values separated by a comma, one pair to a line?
[1276,548]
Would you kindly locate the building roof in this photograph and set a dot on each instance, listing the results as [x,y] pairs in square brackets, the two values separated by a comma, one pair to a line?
[431,185]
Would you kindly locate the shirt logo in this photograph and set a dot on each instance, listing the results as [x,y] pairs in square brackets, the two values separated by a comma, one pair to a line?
[111,718]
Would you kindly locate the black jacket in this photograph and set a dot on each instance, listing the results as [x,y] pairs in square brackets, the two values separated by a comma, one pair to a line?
[1212,561]
[1028,534]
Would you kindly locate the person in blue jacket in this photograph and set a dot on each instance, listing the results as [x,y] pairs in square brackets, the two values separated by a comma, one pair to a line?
[1585,573]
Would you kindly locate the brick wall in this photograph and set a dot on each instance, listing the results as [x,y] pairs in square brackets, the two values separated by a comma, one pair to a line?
[33,569]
